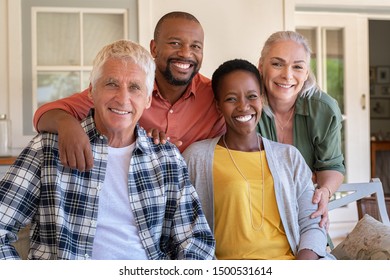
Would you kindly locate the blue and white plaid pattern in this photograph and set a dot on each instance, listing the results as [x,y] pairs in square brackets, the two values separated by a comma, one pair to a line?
[62,204]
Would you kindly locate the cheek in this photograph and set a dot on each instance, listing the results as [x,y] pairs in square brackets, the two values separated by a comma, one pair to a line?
[199,58]
[303,78]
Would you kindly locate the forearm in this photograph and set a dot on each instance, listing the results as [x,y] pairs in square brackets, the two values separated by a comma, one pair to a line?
[77,105]
[307,254]
[331,179]
[52,120]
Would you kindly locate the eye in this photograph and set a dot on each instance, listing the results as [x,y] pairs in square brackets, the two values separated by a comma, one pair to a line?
[111,84]
[299,67]
[230,99]
[174,44]
[196,47]
[276,64]
[134,87]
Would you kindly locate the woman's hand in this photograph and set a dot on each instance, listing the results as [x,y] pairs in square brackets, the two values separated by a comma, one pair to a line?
[321,197]
[328,182]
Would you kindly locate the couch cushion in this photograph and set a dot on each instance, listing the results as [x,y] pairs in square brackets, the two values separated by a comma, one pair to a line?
[369,240]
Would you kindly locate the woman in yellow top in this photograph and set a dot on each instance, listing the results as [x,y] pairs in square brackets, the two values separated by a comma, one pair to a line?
[256,193]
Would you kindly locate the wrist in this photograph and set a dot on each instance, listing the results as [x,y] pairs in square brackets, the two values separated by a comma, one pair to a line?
[328,189]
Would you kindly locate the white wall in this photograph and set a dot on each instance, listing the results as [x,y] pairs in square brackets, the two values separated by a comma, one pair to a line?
[233,28]
[3,58]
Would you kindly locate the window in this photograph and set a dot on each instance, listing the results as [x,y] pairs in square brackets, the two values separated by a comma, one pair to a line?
[60,40]
[64,44]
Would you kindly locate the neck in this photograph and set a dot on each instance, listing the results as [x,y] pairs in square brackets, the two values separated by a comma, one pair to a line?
[170,92]
[120,142]
[247,143]
[119,139]
[282,107]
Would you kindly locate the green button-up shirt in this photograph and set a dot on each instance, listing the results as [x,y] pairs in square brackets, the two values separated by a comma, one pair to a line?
[317,131]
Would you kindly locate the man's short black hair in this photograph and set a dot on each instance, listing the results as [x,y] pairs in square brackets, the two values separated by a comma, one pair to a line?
[175,14]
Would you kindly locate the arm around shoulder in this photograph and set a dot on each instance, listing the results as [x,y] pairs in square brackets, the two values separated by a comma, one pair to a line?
[76,105]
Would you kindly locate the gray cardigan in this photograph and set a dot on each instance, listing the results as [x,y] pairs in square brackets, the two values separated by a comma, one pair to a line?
[293,189]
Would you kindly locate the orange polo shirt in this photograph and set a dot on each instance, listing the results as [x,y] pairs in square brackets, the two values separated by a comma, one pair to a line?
[192,118]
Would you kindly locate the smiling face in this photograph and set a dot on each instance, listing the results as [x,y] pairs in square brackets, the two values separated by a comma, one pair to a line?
[239,101]
[285,70]
[120,96]
[178,50]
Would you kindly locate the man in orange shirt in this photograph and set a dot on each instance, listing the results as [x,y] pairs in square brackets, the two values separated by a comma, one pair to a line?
[183,105]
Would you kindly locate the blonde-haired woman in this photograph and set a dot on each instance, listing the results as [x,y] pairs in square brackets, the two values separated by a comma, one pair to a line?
[297,112]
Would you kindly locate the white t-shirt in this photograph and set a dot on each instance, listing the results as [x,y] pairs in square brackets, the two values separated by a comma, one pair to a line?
[117,236]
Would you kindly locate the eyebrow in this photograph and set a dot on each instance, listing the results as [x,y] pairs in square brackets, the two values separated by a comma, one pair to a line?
[295,61]
[180,39]
[110,80]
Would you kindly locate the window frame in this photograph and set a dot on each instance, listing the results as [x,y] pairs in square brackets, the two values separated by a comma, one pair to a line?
[20,109]
[81,68]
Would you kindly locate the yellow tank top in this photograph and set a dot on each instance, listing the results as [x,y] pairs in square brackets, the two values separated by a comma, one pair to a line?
[242,229]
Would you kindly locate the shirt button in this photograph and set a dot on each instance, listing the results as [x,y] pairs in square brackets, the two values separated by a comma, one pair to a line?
[93,223]
[86,256]
[171,111]
[101,137]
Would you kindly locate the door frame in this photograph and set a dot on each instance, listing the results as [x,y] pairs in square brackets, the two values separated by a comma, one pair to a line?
[356,87]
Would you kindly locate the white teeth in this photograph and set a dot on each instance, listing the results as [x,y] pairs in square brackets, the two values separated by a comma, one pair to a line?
[284,86]
[119,112]
[182,65]
[243,118]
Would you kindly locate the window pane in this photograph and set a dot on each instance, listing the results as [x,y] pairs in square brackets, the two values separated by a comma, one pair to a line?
[335,65]
[58,39]
[335,71]
[100,30]
[85,82]
[56,85]
[310,35]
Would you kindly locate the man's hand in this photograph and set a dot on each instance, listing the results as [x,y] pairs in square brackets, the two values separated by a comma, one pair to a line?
[75,148]
[160,137]
[73,143]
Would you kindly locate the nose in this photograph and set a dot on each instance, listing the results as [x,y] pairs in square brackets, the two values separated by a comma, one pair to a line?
[185,51]
[122,96]
[242,105]
[287,73]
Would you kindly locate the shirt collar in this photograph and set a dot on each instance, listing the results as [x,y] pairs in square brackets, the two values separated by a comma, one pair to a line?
[301,106]
[88,124]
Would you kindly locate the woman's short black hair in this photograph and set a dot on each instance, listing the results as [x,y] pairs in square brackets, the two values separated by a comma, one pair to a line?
[231,66]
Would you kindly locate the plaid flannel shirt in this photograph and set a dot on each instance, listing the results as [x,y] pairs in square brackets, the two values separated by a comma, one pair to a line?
[61,204]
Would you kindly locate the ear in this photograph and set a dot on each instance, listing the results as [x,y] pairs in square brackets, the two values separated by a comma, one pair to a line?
[217,106]
[148,102]
[90,91]
[152,47]
[260,67]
